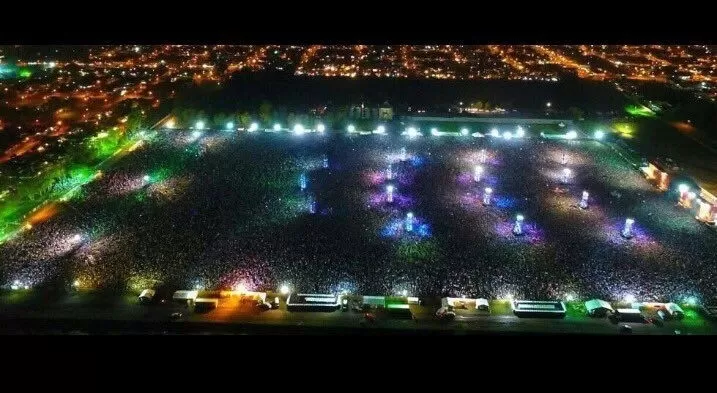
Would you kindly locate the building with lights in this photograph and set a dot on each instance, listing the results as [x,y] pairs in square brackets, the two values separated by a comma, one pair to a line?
[380,112]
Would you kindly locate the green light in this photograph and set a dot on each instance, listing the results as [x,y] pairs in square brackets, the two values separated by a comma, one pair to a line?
[25,73]
[640,110]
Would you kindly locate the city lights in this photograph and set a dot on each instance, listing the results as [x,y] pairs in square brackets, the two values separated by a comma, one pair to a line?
[518,226]
[627,229]
[477,172]
[298,129]
[584,200]
[409,222]
[519,132]
[507,135]
[495,133]
[253,127]
[572,134]
[351,128]
[389,193]
[486,196]
[320,128]
[199,125]
[380,129]
[277,127]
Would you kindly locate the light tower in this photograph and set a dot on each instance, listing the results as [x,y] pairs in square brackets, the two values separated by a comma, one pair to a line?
[566,175]
[477,172]
[518,226]
[409,222]
[627,229]
[486,196]
[584,200]
[302,181]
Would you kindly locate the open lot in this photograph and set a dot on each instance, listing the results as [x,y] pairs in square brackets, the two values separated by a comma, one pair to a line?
[223,209]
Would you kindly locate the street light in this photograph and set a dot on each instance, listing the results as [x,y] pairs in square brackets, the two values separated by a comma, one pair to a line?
[277,127]
[351,128]
[320,128]
[230,125]
[599,135]
[299,129]
[199,125]
[284,290]
[253,127]
[464,131]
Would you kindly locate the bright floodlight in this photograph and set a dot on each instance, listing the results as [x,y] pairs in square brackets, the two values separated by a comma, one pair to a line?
[284,290]
[320,128]
[241,288]
[599,134]
[409,222]
[629,298]
[351,128]
[145,177]
[302,181]
[518,226]
[627,229]
[169,124]
[403,154]
[277,127]
[76,238]
[566,175]
[76,283]
[692,300]
[519,132]
[569,297]
[495,133]
[404,293]
[486,196]
[683,188]
[230,125]
[389,172]
[299,129]
[477,172]
[253,127]
[572,134]
[199,125]
[464,131]
[380,129]
[507,135]
[412,132]
[389,193]
[435,132]
[548,104]
[584,200]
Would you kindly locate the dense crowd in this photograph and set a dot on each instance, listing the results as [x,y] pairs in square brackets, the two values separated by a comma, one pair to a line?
[225,210]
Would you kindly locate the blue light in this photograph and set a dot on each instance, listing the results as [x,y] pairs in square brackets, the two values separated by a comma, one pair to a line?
[325,161]
[302,181]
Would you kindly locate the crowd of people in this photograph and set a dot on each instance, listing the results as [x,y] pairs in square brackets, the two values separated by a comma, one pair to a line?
[227,210]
